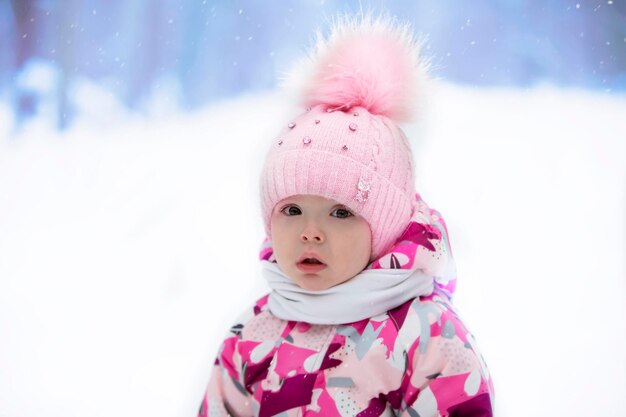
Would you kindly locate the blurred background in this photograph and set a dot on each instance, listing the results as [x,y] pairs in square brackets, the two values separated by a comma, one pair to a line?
[131,139]
[191,53]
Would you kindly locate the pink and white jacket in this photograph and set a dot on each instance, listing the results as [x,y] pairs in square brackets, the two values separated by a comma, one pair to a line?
[416,359]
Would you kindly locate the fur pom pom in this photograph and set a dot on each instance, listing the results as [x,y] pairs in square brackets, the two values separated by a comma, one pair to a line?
[369,62]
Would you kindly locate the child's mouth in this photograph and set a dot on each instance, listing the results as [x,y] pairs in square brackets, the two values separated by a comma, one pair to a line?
[310,265]
[311,261]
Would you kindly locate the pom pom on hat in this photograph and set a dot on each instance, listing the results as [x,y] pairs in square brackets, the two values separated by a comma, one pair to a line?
[366,62]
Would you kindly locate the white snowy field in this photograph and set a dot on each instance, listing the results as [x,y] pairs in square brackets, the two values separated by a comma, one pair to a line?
[128,244]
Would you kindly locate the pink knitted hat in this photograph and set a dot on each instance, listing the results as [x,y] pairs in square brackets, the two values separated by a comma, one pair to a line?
[361,80]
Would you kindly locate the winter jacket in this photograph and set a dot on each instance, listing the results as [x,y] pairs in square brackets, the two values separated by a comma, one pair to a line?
[417,359]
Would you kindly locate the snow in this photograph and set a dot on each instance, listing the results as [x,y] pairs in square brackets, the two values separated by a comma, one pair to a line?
[128,244]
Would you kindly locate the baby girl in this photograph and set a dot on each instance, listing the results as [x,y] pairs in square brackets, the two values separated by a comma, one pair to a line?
[359,320]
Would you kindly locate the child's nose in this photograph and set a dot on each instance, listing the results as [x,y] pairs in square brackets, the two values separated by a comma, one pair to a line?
[312,234]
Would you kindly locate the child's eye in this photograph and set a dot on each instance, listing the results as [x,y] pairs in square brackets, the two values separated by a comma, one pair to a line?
[289,212]
[342,213]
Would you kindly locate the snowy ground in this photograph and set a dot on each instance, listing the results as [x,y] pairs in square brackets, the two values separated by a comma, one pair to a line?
[127,245]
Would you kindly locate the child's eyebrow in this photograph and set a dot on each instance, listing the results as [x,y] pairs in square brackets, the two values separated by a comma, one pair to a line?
[289,200]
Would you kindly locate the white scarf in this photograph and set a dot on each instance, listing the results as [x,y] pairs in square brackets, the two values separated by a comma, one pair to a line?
[368,294]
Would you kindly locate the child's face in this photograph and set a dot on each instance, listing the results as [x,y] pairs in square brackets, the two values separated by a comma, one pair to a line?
[305,226]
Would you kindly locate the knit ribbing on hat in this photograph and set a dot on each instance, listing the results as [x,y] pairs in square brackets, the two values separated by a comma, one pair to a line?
[336,161]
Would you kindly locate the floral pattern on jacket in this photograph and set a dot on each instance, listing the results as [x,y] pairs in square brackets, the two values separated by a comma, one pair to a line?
[416,360]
